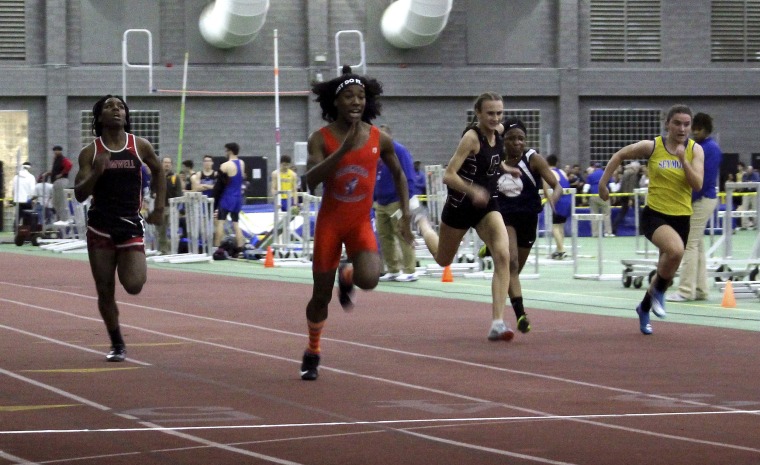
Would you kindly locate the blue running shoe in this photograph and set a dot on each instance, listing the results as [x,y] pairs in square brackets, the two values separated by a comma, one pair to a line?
[658,303]
[644,325]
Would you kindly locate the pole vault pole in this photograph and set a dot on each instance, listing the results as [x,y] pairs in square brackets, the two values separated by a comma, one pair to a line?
[182,116]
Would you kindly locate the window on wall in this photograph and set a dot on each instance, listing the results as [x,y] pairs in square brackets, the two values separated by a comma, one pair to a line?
[144,123]
[625,30]
[14,147]
[531,119]
[613,129]
[735,30]
[12,30]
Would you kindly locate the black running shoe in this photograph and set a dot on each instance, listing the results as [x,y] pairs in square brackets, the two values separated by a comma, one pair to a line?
[310,366]
[346,286]
[117,354]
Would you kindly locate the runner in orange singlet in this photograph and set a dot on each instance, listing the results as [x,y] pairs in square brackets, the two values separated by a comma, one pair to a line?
[344,155]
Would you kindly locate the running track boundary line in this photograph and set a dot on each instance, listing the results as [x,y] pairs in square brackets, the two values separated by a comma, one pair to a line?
[485,420]
[447,393]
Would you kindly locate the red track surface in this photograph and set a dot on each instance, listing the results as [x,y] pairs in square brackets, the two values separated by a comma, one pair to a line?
[212,378]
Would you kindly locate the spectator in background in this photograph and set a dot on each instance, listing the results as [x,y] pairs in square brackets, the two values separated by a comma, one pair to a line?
[562,210]
[43,196]
[692,284]
[387,215]
[173,189]
[186,174]
[576,181]
[285,180]
[628,183]
[596,204]
[231,176]
[23,187]
[749,200]
[59,176]
[737,199]
[204,180]
[420,180]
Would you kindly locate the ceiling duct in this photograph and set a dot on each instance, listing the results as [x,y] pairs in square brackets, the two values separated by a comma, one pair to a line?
[415,23]
[232,23]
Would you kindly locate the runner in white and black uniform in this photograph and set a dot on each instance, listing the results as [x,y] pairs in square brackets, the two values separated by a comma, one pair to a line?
[520,204]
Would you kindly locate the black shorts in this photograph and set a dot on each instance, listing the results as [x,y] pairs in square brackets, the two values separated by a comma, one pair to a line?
[466,215]
[650,220]
[525,226]
[222,215]
[118,229]
[558,219]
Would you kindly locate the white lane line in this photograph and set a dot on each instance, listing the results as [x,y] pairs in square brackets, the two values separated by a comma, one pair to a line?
[409,421]
[154,426]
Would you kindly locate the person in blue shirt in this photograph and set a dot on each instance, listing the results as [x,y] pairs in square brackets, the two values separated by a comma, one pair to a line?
[692,284]
[387,208]
[596,204]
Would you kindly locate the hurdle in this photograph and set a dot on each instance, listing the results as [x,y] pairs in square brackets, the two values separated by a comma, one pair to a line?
[729,214]
[599,219]
[72,232]
[720,268]
[638,195]
[309,209]
[199,228]
[285,241]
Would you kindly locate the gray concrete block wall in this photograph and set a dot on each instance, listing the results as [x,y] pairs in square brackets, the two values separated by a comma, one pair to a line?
[427,91]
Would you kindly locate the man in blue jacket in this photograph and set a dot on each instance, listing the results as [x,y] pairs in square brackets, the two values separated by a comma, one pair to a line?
[692,284]
[399,257]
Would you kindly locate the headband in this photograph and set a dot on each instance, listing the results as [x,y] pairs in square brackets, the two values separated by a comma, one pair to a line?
[514,123]
[348,82]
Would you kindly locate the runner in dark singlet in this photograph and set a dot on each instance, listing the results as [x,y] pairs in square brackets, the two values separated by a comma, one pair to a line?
[110,170]
[471,177]
[520,204]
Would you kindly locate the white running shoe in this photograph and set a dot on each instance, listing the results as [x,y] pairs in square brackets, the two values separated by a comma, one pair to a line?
[388,277]
[406,278]
[500,332]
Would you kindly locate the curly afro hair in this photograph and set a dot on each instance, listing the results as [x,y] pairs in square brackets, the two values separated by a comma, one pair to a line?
[328,90]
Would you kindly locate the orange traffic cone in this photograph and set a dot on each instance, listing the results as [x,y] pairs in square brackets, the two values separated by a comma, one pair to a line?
[269,259]
[447,276]
[729,299]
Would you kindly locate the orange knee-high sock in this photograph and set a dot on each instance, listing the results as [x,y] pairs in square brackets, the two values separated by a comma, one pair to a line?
[315,333]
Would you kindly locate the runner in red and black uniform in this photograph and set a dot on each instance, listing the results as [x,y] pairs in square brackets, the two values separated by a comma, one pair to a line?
[110,169]
[344,155]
